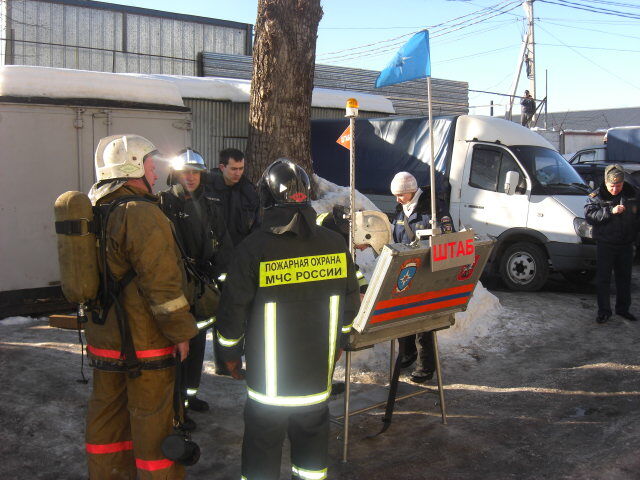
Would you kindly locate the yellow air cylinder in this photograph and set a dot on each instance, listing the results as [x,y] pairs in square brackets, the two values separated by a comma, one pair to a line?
[77,247]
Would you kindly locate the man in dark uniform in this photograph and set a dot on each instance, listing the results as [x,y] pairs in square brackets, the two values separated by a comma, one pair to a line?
[236,193]
[612,209]
[292,293]
[204,240]
[413,213]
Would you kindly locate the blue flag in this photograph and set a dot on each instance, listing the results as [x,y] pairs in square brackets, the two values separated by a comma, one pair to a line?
[412,61]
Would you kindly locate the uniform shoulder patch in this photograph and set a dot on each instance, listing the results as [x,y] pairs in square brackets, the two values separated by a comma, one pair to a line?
[593,194]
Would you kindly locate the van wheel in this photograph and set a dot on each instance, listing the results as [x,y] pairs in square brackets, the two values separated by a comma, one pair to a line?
[524,267]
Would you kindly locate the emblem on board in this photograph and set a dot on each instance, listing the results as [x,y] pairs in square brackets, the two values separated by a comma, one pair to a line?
[407,271]
[467,270]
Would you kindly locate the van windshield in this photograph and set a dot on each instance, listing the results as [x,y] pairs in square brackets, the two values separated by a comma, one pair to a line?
[551,173]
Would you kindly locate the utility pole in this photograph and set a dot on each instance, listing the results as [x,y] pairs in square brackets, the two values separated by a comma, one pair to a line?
[531,52]
[527,57]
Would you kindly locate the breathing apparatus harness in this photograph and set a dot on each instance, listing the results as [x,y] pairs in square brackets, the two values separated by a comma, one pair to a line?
[110,288]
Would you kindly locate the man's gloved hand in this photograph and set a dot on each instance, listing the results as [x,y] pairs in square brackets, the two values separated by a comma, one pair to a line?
[235,369]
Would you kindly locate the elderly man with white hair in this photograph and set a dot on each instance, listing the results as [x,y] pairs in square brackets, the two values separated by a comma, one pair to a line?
[413,213]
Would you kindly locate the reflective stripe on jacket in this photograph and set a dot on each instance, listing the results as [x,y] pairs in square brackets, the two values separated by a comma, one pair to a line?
[292,298]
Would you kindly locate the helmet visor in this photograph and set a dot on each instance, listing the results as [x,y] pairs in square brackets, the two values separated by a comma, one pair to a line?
[157,157]
[188,160]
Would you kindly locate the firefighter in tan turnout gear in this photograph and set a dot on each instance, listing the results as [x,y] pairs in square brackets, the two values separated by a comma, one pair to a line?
[291,294]
[130,410]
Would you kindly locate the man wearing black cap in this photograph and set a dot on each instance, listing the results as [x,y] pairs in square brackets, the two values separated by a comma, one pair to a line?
[612,209]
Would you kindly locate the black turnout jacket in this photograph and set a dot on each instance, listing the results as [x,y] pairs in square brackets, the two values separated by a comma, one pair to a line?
[200,229]
[292,294]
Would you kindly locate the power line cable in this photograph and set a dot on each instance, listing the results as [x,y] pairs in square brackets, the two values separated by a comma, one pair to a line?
[590,60]
[585,47]
[587,8]
[432,28]
[564,25]
[389,48]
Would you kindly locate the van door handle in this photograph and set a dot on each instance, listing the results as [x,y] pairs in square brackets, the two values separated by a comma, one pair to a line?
[475,206]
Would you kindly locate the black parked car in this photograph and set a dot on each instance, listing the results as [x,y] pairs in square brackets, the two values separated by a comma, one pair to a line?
[622,147]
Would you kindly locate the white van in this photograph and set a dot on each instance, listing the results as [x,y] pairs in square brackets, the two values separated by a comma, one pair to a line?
[495,176]
[509,182]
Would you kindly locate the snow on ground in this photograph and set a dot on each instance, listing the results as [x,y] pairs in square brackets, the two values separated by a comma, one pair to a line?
[12,321]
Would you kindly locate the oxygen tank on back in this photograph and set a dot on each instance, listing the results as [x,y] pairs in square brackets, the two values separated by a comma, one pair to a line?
[77,249]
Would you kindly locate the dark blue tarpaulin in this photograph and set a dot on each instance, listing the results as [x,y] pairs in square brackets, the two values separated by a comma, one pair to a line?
[623,145]
[384,147]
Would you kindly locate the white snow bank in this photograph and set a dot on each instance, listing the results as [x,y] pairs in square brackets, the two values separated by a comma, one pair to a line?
[230,89]
[10,321]
[29,81]
[26,81]
[477,321]
[238,90]
[330,194]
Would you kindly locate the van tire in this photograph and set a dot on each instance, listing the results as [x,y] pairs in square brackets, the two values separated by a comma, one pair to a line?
[524,267]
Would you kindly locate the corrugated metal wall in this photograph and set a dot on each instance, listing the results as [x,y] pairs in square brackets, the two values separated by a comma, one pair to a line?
[410,98]
[112,38]
[218,125]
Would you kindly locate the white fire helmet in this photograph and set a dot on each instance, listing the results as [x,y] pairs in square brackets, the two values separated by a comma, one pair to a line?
[372,228]
[122,156]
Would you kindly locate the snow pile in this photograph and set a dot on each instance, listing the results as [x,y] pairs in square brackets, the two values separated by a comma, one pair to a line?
[26,81]
[477,321]
[12,321]
[330,194]
[31,81]
[214,88]
[238,90]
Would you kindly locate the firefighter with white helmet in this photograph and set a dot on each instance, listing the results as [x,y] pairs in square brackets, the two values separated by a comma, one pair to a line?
[132,351]
[205,242]
[291,293]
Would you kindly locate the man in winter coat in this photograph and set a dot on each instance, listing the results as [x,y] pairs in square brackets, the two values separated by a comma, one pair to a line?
[292,294]
[236,193]
[612,209]
[204,240]
[413,213]
[130,410]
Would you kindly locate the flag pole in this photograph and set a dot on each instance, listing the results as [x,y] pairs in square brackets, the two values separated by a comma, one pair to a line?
[432,164]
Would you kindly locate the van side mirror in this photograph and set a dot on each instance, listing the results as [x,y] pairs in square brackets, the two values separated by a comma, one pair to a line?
[511,182]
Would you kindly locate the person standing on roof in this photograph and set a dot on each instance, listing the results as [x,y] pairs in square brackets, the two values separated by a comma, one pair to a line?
[528,109]
[204,240]
[292,294]
[236,193]
[413,213]
[130,410]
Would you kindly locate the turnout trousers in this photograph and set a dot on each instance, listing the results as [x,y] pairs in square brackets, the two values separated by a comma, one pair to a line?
[126,422]
[619,259]
[265,427]
[192,366]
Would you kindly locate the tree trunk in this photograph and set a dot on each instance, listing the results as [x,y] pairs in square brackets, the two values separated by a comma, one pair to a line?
[283,66]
